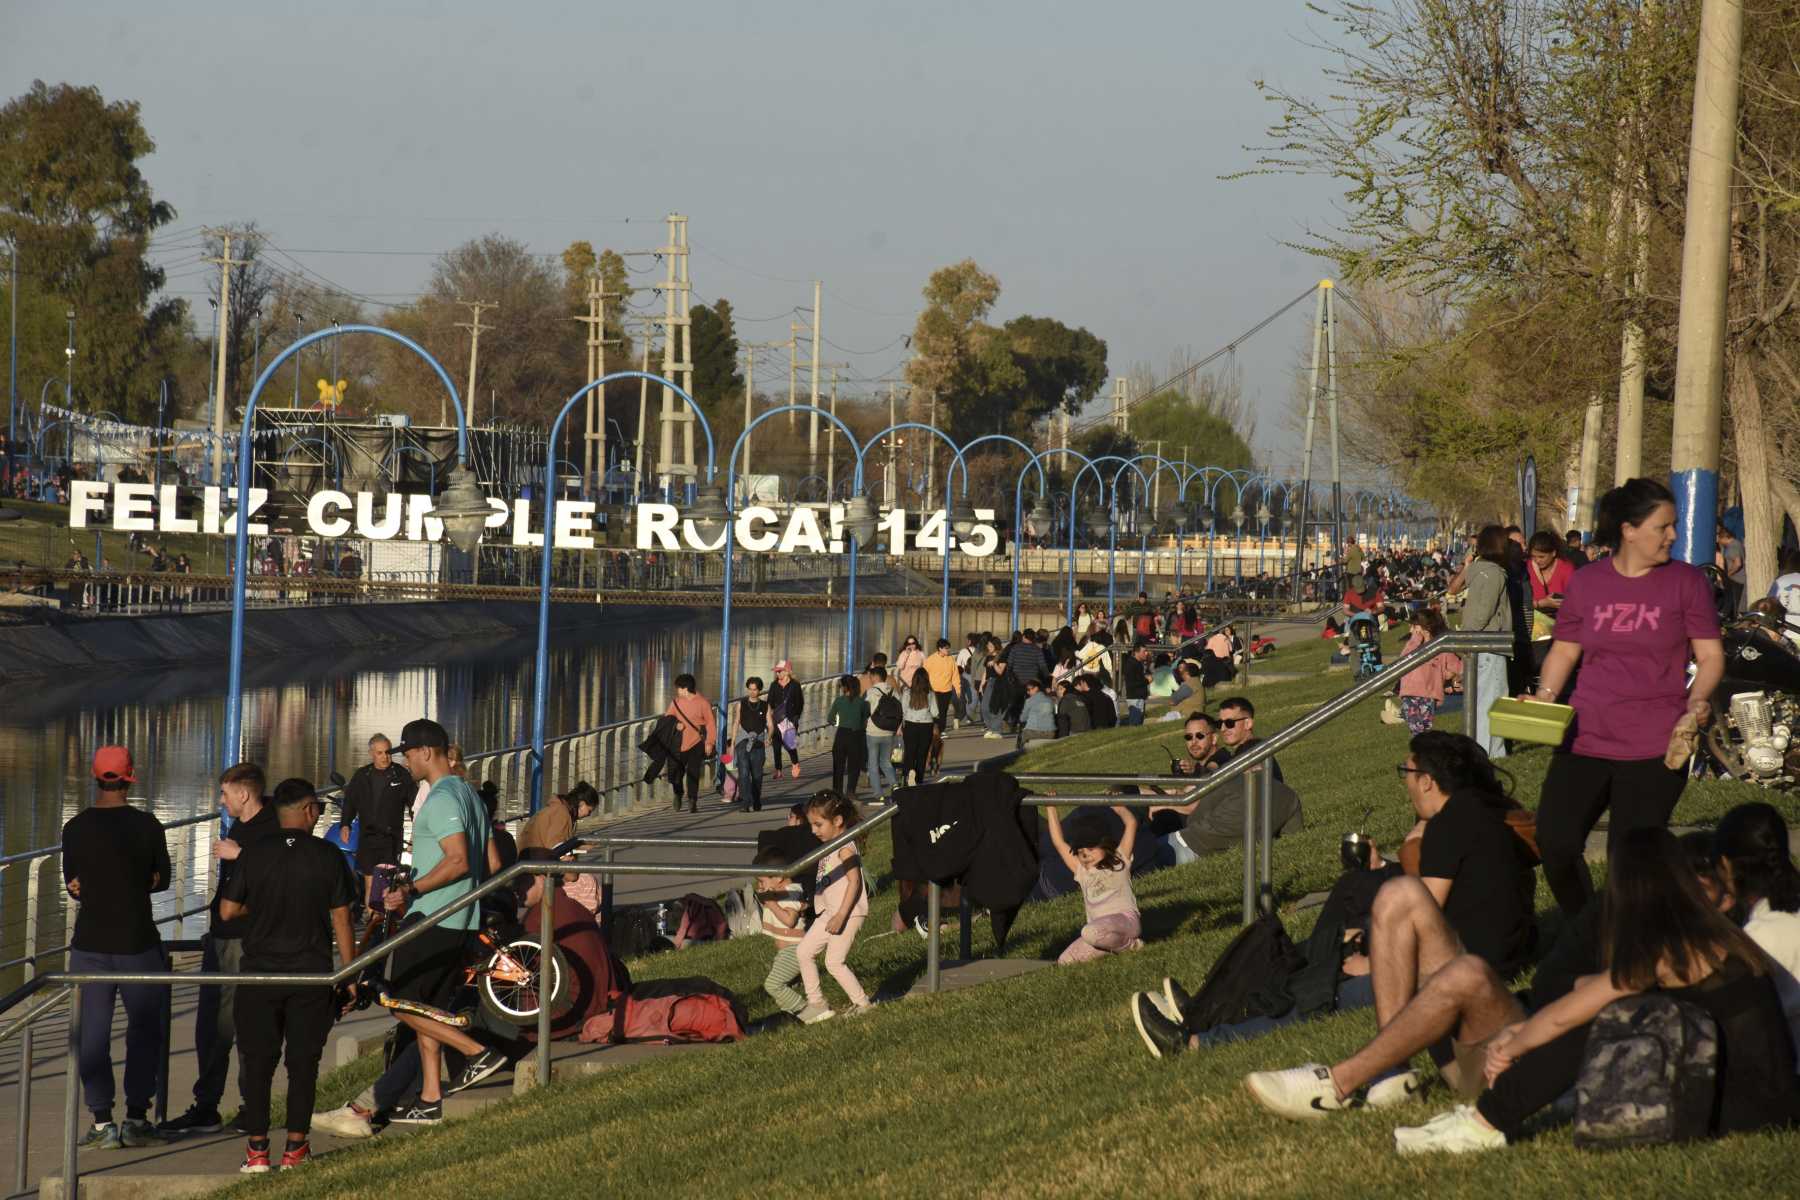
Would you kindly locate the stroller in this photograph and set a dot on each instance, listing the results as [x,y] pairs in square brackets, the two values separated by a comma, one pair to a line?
[1365,641]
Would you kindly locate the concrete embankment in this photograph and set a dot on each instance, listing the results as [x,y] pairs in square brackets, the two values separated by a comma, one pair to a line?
[333,631]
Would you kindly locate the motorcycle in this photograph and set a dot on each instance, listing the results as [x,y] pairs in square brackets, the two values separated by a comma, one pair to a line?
[1756,706]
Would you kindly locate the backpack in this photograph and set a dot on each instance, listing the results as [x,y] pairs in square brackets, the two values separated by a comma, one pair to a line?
[1249,980]
[702,920]
[1649,1074]
[888,713]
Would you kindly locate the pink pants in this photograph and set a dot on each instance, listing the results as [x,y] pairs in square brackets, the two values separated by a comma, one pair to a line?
[1103,936]
[837,949]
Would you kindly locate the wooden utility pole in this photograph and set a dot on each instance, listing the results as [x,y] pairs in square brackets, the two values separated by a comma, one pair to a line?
[1705,259]
[594,441]
[226,262]
[685,298]
[476,329]
[643,426]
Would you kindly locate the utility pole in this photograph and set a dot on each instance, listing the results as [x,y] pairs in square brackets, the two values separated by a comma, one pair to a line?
[476,329]
[1156,479]
[643,427]
[931,459]
[674,359]
[812,418]
[1705,248]
[12,371]
[226,262]
[685,298]
[749,391]
[831,433]
[888,484]
[594,443]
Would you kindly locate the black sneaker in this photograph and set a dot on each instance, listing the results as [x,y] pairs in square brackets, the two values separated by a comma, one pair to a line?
[477,1070]
[194,1120]
[1177,998]
[420,1112]
[1163,1037]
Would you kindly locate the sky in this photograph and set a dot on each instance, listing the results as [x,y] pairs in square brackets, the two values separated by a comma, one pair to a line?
[1073,150]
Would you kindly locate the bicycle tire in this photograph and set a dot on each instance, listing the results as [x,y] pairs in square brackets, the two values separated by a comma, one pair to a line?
[516,1004]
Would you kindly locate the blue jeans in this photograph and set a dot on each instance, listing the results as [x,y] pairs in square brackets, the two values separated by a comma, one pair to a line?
[1490,686]
[1355,992]
[143,1029]
[1134,712]
[881,766]
[972,702]
[750,755]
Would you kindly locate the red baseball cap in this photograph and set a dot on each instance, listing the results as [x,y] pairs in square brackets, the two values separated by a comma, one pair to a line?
[112,764]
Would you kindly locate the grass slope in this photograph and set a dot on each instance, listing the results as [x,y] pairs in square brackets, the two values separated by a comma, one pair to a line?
[1038,1086]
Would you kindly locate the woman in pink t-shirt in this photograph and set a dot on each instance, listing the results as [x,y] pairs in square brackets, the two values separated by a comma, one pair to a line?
[1632,621]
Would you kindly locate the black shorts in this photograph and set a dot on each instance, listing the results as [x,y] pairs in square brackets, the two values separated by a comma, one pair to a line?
[371,852]
[427,972]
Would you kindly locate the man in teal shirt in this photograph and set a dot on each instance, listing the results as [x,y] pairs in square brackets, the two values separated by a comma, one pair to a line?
[451,854]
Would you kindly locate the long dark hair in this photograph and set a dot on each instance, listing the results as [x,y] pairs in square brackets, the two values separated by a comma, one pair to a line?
[1458,764]
[1490,544]
[1091,831]
[1631,503]
[919,690]
[1656,917]
[1754,840]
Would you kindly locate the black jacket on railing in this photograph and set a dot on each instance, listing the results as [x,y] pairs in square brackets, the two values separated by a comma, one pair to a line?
[973,831]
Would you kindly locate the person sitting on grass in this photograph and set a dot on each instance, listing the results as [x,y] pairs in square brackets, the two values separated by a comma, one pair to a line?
[1752,840]
[1661,933]
[1037,720]
[1102,868]
[1472,893]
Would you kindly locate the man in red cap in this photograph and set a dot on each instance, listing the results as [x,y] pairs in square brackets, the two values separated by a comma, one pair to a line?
[114,857]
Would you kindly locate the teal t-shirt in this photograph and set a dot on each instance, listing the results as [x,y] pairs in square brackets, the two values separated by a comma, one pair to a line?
[451,807]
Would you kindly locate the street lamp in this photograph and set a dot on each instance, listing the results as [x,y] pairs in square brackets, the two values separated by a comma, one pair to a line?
[462,509]
[1208,521]
[69,354]
[963,520]
[892,432]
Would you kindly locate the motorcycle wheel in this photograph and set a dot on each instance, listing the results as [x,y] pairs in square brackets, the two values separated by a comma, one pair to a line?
[516,1003]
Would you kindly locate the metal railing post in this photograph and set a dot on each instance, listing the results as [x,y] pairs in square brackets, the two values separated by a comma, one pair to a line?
[1250,844]
[606,894]
[934,905]
[1268,833]
[964,949]
[72,1097]
[546,973]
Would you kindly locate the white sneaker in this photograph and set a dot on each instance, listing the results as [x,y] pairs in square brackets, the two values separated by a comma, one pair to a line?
[344,1122]
[1298,1093]
[812,1014]
[1393,1089]
[990,736]
[1459,1131]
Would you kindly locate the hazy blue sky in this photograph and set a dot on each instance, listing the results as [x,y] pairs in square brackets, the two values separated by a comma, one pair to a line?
[1071,149]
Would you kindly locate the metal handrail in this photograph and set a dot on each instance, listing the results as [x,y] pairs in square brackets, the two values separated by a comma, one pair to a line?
[1240,766]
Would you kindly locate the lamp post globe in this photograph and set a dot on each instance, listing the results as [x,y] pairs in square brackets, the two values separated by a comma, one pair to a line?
[463,509]
[859,519]
[708,512]
[963,519]
[1040,520]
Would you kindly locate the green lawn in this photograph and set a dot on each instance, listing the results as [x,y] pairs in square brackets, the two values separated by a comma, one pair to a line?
[42,538]
[1038,1086]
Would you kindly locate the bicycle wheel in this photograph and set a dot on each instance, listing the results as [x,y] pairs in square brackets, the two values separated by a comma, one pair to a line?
[508,987]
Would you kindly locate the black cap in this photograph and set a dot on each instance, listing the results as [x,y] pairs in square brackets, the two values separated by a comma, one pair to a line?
[422,733]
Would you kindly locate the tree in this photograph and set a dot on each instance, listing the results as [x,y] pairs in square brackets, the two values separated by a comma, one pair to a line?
[74,203]
[530,360]
[1199,417]
[718,384]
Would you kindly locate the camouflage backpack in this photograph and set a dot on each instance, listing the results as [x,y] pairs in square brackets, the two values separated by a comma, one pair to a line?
[1650,1074]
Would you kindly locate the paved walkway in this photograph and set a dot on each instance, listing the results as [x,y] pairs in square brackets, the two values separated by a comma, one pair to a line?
[197,1165]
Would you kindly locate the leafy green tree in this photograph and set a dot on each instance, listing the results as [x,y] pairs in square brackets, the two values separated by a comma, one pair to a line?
[718,384]
[74,203]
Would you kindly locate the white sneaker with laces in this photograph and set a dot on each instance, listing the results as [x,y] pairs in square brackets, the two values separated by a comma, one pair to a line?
[1301,1093]
[812,1014]
[1459,1131]
[344,1122]
[1393,1089]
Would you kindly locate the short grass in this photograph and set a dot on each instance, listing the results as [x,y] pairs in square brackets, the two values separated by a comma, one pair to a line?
[1038,1086]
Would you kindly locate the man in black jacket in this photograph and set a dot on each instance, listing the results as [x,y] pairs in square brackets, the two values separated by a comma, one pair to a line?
[378,794]
[1135,674]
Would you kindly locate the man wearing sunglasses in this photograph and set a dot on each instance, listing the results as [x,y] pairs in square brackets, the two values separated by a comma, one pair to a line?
[1237,728]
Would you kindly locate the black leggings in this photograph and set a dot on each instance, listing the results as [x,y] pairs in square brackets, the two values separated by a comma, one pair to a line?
[267,1017]
[1577,789]
[917,748]
[1533,1082]
[777,747]
[849,756]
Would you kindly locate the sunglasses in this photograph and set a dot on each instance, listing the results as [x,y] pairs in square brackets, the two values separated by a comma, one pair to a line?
[1194,737]
[1231,722]
[1402,770]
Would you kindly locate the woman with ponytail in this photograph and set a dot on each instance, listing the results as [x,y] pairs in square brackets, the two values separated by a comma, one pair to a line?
[1632,620]
[1765,888]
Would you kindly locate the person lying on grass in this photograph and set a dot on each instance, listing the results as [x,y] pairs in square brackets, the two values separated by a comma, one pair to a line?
[1470,892]
[1102,867]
